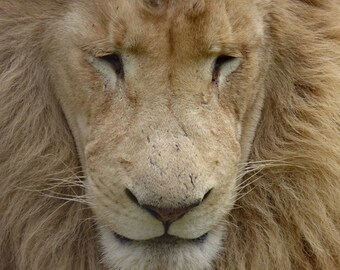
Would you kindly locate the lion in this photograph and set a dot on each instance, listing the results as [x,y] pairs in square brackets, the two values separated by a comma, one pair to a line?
[167,134]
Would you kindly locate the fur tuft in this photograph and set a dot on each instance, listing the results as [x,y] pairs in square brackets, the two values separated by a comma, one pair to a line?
[40,224]
[289,218]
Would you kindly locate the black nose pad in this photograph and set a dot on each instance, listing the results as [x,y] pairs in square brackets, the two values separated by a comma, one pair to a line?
[166,215]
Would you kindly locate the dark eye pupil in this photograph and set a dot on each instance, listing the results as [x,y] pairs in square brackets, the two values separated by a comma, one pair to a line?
[116,61]
[219,62]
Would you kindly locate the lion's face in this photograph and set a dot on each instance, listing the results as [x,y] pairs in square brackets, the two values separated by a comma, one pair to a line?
[162,100]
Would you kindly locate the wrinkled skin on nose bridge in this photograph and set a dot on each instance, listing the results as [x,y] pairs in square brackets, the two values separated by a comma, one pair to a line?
[167,163]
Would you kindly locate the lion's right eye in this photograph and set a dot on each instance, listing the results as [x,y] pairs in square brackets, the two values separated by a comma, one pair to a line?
[231,63]
[115,60]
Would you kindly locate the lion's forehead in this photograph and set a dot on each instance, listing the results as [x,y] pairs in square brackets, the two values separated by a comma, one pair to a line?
[193,27]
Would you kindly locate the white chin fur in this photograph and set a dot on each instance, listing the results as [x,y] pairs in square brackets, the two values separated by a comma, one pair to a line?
[145,255]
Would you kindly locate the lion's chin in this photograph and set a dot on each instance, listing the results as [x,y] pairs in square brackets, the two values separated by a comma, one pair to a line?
[165,252]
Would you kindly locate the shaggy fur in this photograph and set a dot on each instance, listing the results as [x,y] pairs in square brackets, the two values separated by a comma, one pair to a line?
[288,218]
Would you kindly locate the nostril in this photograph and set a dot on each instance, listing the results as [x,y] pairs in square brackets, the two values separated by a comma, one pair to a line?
[206,195]
[131,196]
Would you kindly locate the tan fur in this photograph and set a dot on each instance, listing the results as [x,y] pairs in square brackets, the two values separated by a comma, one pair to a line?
[286,211]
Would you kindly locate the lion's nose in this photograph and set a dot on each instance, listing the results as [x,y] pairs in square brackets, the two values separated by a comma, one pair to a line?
[166,215]
[169,215]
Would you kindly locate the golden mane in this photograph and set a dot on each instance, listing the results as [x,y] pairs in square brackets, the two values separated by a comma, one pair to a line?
[287,219]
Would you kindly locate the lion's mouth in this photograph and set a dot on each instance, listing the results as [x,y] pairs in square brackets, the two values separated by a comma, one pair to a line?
[164,239]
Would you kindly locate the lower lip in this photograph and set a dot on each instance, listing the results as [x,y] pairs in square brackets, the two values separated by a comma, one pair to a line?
[163,239]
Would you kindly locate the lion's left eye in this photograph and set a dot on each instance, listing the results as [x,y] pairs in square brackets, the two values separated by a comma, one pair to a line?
[224,61]
[115,60]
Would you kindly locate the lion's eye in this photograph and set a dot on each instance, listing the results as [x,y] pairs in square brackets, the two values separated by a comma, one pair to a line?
[115,60]
[220,62]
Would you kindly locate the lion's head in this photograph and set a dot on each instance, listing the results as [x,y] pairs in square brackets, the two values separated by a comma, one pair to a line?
[163,99]
[173,110]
